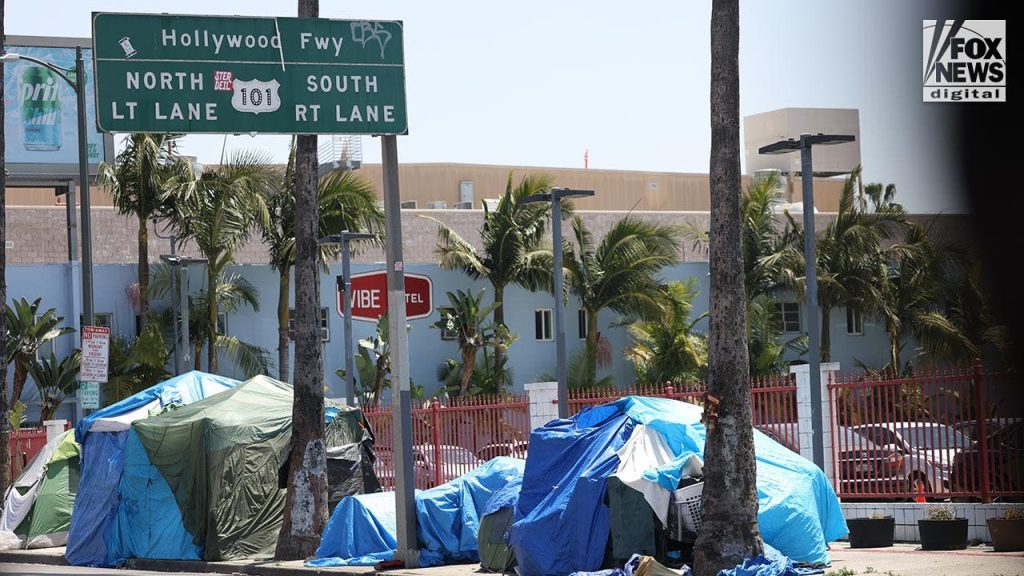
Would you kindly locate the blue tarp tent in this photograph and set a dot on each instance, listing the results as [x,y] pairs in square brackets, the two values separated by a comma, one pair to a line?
[563,524]
[361,530]
[103,436]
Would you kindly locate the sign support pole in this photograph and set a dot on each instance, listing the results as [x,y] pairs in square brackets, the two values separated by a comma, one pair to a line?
[350,369]
[401,404]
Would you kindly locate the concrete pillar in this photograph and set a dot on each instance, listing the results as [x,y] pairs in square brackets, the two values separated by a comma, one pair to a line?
[543,403]
[805,422]
[54,428]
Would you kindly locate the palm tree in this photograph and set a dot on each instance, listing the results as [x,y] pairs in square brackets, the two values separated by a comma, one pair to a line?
[911,289]
[511,237]
[729,533]
[218,214]
[233,292]
[347,201]
[141,183]
[135,364]
[465,316]
[621,273]
[54,379]
[27,331]
[852,265]
[668,348]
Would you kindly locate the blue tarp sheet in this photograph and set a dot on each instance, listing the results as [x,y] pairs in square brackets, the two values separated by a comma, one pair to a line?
[148,521]
[562,522]
[103,462]
[361,530]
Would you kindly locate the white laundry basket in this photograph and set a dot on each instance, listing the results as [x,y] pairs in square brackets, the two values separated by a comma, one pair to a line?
[684,510]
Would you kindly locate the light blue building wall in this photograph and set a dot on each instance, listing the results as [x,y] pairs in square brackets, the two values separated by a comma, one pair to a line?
[528,356]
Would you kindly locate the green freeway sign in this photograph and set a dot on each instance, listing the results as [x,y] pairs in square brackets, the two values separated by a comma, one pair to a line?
[224,74]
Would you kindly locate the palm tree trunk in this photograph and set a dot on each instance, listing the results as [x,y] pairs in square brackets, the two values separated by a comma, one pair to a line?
[729,533]
[894,350]
[499,351]
[593,337]
[284,289]
[20,377]
[211,317]
[143,271]
[468,363]
[826,334]
[5,406]
[305,509]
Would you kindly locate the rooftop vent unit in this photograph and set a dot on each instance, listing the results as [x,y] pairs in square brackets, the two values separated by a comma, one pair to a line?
[437,205]
[463,205]
[409,205]
[491,204]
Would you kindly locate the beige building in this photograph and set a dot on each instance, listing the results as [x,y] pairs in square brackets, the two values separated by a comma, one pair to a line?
[451,184]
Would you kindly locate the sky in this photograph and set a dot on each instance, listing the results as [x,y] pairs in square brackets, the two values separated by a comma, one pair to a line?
[536,83]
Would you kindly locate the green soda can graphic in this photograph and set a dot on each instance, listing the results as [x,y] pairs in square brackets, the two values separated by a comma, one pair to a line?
[40,109]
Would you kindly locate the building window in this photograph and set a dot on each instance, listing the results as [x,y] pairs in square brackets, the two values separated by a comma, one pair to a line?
[787,316]
[854,322]
[581,322]
[325,330]
[542,324]
[448,331]
[105,319]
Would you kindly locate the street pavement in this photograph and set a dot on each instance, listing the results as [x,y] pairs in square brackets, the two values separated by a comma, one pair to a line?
[900,560]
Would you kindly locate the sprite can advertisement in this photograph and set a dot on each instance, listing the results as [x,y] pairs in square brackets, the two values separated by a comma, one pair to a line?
[41,108]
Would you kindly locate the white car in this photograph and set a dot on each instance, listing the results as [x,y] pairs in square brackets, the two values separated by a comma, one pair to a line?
[928,450]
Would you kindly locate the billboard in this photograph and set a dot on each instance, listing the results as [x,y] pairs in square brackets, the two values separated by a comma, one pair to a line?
[41,111]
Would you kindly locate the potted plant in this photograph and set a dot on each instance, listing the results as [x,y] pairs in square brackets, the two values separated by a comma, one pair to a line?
[1007,531]
[873,532]
[942,530]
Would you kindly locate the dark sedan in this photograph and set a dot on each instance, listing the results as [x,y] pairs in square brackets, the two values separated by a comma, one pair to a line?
[1005,448]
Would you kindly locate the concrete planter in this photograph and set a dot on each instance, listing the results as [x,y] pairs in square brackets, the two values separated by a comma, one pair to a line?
[1007,534]
[871,532]
[943,534]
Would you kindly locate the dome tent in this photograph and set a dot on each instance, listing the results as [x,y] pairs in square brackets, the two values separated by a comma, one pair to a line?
[37,507]
[221,460]
[102,436]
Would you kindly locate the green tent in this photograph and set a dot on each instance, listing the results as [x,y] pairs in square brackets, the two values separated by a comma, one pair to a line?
[37,509]
[225,458]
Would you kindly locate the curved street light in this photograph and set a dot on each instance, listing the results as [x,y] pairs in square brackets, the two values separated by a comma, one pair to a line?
[83,165]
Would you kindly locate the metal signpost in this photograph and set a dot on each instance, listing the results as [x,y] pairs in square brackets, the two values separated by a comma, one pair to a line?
[194,74]
[93,371]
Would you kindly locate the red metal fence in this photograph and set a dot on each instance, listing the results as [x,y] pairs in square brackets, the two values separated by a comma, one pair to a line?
[937,434]
[452,437]
[25,444]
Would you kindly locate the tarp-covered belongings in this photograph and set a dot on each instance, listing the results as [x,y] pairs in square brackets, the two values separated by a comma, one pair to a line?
[103,435]
[362,531]
[564,524]
[37,507]
[496,521]
[203,481]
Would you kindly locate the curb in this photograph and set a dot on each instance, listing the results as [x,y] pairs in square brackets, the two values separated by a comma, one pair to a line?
[31,557]
[263,568]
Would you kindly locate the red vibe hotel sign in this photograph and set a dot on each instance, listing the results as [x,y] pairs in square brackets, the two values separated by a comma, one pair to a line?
[370,296]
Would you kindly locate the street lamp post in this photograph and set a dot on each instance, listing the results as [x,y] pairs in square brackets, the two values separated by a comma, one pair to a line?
[555,196]
[344,238]
[83,166]
[804,145]
[179,266]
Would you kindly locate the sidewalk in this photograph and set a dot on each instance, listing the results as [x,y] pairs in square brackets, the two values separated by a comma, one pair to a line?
[900,560]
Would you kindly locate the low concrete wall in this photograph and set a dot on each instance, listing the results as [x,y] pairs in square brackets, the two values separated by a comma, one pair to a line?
[908,513]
